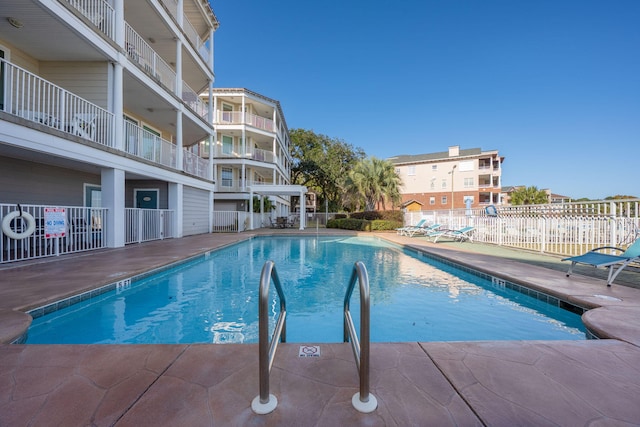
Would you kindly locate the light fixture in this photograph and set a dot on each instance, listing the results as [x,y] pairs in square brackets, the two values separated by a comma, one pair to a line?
[14,22]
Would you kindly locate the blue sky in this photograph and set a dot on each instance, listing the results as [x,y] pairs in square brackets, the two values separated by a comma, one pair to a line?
[554,85]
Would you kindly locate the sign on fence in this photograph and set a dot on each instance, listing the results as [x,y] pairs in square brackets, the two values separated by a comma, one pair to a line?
[55,222]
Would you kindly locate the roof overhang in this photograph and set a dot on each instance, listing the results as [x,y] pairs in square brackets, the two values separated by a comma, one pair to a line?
[278,190]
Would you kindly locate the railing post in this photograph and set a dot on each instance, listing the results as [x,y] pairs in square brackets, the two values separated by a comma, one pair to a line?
[362,401]
[265,402]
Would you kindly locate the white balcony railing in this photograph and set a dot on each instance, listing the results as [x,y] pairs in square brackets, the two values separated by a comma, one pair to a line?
[28,96]
[99,12]
[195,165]
[195,39]
[149,146]
[193,101]
[141,53]
[238,118]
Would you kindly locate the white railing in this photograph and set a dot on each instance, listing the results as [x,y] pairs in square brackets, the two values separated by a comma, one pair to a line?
[195,165]
[193,101]
[56,230]
[143,225]
[99,12]
[149,146]
[172,7]
[28,96]
[141,53]
[260,122]
[230,221]
[195,39]
[237,118]
[564,229]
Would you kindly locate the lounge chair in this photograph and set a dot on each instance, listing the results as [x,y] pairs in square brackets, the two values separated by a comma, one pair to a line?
[459,235]
[422,231]
[615,263]
[402,230]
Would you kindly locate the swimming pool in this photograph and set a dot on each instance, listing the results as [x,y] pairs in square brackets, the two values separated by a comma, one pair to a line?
[214,298]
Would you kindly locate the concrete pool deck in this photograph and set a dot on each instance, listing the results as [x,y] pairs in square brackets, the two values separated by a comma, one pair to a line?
[495,383]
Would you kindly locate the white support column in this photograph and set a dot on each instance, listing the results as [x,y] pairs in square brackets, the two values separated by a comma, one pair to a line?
[179,152]
[175,201]
[303,210]
[211,202]
[178,88]
[250,210]
[112,188]
[118,108]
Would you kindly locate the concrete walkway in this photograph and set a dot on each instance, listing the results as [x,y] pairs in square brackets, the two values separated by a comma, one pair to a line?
[499,383]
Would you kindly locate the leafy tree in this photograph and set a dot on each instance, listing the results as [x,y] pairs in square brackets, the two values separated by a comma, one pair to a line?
[321,164]
[372,182]
[529,196]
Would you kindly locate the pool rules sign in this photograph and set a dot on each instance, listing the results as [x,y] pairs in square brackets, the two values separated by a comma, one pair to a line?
[55,222]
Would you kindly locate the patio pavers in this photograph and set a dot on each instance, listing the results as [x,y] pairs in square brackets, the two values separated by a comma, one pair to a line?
[456,383]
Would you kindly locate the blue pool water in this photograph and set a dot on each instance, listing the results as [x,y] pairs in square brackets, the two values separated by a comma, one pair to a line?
[214,298]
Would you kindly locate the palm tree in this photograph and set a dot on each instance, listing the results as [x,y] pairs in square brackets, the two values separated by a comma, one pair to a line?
[529,196]
[372,182]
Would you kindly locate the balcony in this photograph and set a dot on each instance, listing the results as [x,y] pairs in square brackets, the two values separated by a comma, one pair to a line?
[240,118]
[30,97]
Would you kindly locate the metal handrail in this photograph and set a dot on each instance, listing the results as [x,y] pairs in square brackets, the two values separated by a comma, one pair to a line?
[265,402]
[363,401]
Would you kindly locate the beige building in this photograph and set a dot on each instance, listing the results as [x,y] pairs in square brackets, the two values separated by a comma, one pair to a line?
[449,179]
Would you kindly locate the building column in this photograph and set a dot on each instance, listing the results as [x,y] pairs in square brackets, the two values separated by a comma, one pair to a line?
[112,189]
[175,201]
[303,210]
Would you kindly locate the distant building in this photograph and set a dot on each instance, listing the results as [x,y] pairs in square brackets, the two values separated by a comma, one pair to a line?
[448,179]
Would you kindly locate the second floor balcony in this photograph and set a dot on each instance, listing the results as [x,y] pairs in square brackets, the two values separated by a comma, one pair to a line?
[30,97]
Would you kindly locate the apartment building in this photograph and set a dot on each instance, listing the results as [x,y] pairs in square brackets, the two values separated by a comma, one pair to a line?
[450,179]
[251,153]
[101,119]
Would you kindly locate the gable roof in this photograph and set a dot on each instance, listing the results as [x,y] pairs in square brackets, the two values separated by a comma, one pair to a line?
[443,155]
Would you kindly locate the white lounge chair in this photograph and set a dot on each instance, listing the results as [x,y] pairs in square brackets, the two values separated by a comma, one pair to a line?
[615,263]
[422,231]
[403,230]
[459,235]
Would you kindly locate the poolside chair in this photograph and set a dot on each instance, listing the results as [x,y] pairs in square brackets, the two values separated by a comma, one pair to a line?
[422,231]
[491,210]
[615,263]
[402,230]
[459,235]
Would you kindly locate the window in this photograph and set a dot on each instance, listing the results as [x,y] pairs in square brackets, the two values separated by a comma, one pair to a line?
[468,182]
[465,166]
[411,170]
[434,167]
[433,184]
[443,200]
[432,200]
[227,177]
[227,144]
[444,183]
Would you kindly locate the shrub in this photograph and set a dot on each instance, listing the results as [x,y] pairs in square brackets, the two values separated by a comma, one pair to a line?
[349,224]
[384,225]
[382,215]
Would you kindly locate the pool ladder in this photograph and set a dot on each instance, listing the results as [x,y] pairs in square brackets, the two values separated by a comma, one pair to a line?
[265,402]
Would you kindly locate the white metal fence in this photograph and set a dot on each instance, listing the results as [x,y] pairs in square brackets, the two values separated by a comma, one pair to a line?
[33,231]
[233,221]
[143,225]
[563,229]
